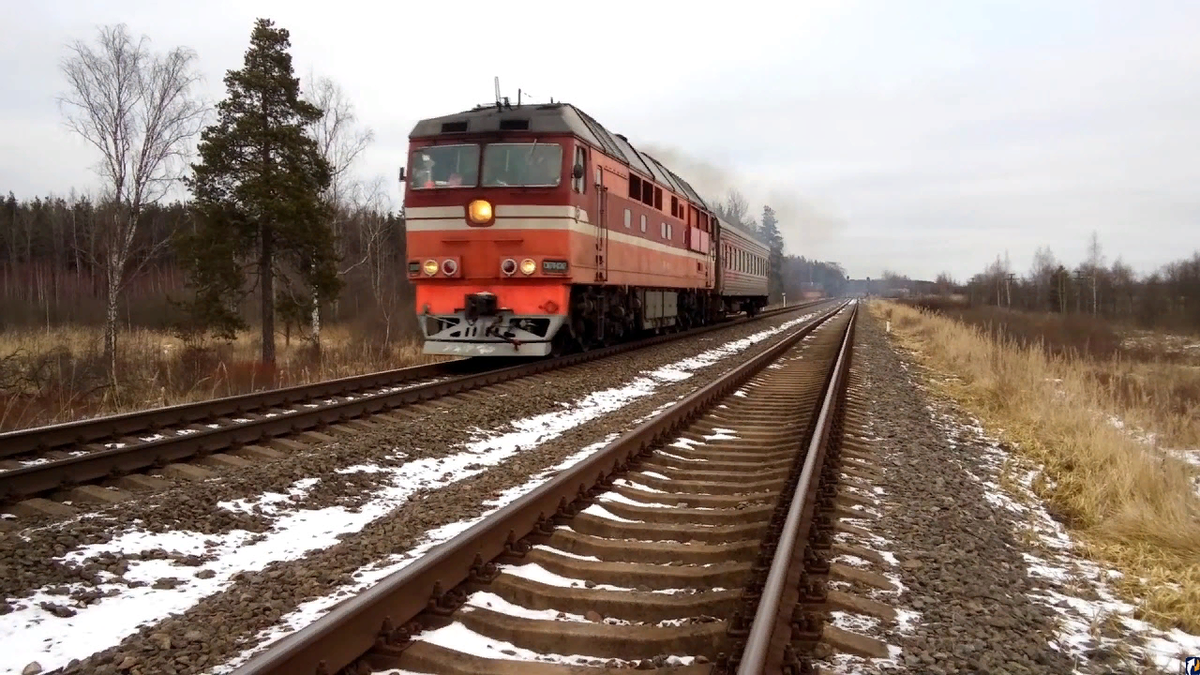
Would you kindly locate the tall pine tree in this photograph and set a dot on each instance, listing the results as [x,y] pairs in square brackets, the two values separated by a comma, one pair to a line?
[770,231]
[257,190]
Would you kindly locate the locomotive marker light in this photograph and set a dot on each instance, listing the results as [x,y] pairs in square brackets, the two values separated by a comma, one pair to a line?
[509,267]
[431,267]
[479,211]
[528,266]
[449,267]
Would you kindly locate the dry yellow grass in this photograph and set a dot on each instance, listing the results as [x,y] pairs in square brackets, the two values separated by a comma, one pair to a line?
[60,375]
[1129,505]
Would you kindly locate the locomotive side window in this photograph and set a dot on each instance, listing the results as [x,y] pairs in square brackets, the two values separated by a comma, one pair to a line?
[580,160]
[628,218]
[643,222]
[522,165]
[635,188]
[442,166]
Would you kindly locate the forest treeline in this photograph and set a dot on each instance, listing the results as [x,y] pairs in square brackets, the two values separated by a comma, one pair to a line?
[1167,298]
[48,275]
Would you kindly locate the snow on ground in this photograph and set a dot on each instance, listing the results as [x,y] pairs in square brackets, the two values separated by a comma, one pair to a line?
[1094,622]
[1147,438]
[32,633]
[1150,439]
[368,576]
[868,538]
[462,639]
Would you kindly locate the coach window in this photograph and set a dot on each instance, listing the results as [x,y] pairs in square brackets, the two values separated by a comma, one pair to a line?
[580,160]
[628,219]
[643,222]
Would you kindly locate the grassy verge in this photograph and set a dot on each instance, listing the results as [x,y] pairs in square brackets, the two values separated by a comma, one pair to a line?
[61,375]
[1129,506]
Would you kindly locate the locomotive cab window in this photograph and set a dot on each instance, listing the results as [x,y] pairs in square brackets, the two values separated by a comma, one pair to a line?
[444,166]
[522,165]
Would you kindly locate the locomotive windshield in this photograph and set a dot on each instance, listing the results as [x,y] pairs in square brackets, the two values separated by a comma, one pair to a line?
[522,165]
[439,166]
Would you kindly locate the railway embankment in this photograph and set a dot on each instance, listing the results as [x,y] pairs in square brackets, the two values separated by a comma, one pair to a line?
[1107,524]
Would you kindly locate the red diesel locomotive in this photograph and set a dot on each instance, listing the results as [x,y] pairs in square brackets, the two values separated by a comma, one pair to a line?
[532,230]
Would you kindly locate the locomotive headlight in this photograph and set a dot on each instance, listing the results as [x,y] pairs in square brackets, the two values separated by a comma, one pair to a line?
[431,267]
[509,266]
[479,211]
[528,266]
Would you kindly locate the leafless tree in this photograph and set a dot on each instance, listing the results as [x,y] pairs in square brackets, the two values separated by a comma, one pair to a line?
[139,110]
[342,142]
[1094,265]
[944,283]
[737,209]
[1041,276]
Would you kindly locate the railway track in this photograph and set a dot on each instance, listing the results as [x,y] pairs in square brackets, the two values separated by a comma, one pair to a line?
[695,543]
[65,461]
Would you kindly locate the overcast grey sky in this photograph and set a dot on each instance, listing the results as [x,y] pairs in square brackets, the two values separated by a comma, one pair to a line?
[918,135]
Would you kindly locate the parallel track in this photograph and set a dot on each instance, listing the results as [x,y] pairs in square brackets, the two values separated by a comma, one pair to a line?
[86,451]
[679,546]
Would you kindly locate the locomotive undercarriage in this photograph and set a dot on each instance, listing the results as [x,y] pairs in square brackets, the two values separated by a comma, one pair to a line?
[599,316]
[606,315]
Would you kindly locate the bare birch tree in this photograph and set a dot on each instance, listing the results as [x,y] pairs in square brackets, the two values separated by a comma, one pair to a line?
[139,110]
[341,142]
[1094,265]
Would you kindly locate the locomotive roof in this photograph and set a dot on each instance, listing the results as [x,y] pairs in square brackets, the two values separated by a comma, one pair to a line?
[554,118]
[563,118]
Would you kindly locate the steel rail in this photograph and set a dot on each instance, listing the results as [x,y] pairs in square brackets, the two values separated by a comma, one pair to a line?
[383,611]
[80,432]
[40,478]
[760,643]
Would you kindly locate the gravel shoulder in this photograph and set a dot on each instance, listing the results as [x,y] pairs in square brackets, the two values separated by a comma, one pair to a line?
[968,596]
[988,492]
[213,555]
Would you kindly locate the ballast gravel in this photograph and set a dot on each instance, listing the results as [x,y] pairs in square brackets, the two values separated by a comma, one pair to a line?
[959,558]
[223,624]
